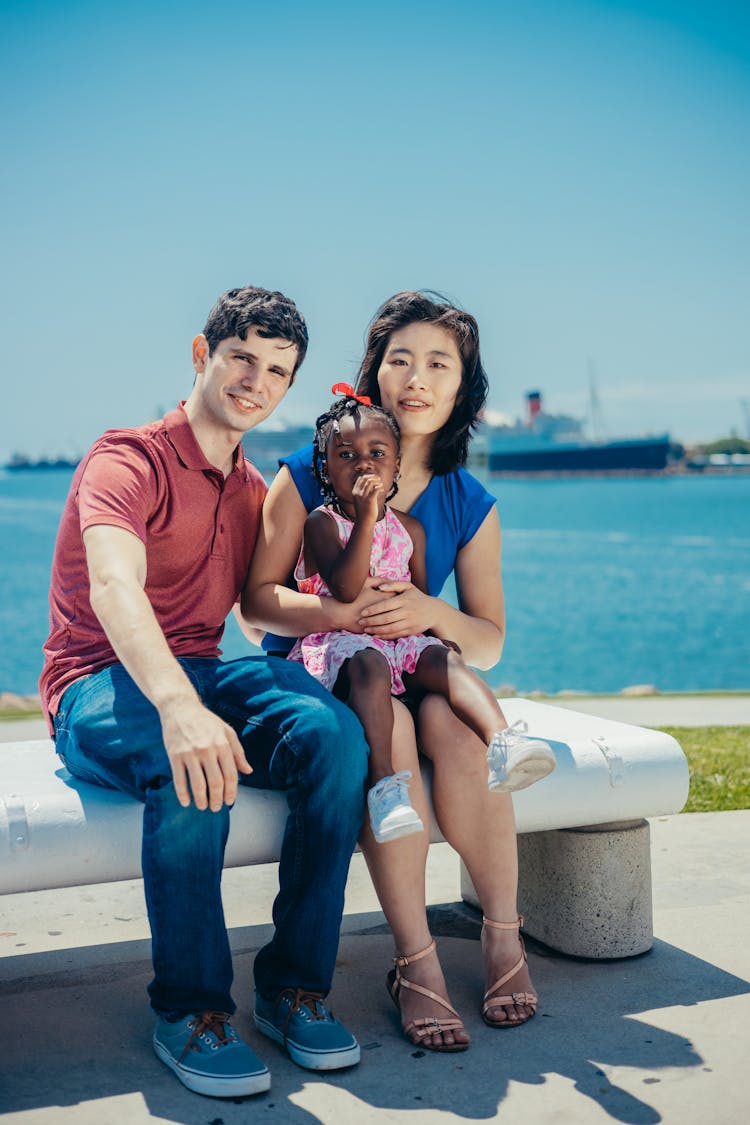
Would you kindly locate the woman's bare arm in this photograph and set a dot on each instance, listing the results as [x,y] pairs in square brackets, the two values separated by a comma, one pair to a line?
[417,563]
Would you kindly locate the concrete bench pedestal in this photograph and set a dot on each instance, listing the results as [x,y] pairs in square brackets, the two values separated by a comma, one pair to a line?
[585,891]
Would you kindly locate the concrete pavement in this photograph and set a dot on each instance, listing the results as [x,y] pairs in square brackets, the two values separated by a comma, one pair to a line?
[661,1037]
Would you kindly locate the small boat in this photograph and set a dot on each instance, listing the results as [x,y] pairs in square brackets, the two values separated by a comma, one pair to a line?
[20,463]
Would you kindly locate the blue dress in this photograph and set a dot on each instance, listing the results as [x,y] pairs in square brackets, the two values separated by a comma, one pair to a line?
[451,510]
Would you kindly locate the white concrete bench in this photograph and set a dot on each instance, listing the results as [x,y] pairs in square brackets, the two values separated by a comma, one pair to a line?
[584,853]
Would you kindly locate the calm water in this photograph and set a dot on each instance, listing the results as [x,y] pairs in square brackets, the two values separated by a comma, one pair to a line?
[609,582]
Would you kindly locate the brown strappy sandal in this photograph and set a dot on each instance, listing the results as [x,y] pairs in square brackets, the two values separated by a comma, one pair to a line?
[418,1030]
[491,1000]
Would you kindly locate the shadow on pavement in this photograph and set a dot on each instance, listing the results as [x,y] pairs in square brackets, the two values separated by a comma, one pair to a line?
[77,1029]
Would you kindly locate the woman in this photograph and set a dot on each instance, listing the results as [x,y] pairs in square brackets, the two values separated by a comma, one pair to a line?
[423,364]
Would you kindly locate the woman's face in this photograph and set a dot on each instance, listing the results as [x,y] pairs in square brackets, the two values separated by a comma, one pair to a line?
[420,377]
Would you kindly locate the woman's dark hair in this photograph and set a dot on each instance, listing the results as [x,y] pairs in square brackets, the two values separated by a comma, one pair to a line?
[327,424]
[451,445]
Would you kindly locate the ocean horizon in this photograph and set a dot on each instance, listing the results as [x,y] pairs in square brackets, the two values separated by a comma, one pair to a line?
[609,582]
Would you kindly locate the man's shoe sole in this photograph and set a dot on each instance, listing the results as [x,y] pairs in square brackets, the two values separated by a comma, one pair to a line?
[307,1057]
[530,766]
[238,1086]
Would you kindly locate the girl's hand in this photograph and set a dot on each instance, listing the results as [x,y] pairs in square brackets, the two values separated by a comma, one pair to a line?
[367,495]
[404,611]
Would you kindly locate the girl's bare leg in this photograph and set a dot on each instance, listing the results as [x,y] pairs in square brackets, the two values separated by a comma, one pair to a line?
[481,827]
[441,671]
[398,875]
[370,699]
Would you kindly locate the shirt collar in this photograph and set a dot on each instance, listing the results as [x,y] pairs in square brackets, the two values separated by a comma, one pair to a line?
[185,443]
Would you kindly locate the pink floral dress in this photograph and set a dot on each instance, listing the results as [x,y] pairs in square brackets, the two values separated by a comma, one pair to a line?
[324,653]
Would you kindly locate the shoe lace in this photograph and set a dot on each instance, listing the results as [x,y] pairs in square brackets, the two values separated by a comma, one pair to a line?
[300,998]
[209,1023]
[517,730]
[391,790]
[504,740]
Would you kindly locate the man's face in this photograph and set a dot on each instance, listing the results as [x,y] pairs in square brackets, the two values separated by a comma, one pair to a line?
[243,381]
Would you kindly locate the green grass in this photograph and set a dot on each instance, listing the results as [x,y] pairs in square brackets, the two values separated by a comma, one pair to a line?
[719,761]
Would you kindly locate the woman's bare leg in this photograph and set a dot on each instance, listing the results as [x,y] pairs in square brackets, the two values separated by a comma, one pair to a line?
[398,874]
[481,826]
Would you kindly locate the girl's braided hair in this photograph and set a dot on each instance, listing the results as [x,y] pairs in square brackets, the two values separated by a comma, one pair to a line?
[328,424]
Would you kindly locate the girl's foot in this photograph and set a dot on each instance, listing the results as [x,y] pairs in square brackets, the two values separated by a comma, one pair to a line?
[418,989]
[510,999]
[515,761]
[391,812]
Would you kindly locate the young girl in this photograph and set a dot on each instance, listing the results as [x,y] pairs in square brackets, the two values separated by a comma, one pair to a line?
[356,459]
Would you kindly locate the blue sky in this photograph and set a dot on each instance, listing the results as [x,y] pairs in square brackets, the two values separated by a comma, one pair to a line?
[577,174]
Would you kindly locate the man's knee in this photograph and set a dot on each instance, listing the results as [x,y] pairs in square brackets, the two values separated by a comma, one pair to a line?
[333,735]
[182,825]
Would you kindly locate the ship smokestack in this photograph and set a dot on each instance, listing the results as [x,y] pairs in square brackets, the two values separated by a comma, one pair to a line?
[534,399]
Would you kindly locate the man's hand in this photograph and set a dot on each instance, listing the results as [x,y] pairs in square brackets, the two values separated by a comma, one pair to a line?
[205,755]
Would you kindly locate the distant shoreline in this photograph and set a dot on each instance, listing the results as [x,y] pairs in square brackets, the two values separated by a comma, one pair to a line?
[18,706]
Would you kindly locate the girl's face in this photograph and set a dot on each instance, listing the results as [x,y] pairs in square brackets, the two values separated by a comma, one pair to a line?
[364,446]
[420,377]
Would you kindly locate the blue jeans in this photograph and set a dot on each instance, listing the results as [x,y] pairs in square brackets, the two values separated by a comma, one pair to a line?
[298,738]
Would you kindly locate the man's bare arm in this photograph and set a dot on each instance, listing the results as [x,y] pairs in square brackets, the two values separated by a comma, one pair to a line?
[204,752]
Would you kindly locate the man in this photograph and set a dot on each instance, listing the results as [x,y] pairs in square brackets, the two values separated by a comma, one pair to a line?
[153,548]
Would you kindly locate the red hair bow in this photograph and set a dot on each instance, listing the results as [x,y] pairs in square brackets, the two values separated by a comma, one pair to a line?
[348,390]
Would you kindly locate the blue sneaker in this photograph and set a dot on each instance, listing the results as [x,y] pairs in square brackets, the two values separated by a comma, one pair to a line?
[313,1037]
[208,1056]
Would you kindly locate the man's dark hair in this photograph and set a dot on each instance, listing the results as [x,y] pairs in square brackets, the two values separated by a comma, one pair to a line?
[451,445]
[273,314]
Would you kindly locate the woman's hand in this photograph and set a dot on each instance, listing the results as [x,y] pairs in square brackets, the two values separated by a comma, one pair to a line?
[348,615]
[403,611]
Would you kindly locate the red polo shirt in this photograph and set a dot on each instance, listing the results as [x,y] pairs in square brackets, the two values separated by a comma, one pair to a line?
[199,531]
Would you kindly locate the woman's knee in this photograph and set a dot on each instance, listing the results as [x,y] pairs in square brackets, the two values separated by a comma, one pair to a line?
[444,738]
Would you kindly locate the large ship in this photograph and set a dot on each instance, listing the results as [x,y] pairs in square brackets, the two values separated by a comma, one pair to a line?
[556,443]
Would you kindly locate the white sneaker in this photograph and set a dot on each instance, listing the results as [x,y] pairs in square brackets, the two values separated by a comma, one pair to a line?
[391,811]
[515,761]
